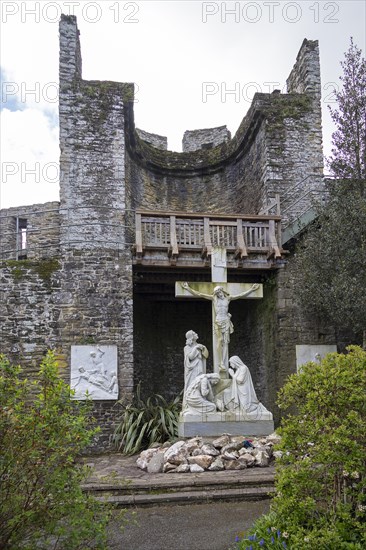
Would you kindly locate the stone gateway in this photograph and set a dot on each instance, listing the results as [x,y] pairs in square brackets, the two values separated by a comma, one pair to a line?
[93,276]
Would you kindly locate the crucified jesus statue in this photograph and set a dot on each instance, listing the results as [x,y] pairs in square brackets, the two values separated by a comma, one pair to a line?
[222,322]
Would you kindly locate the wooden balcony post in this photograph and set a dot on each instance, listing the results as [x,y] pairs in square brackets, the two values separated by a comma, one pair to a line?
[272,240]
[173,249]
[207,251]
[138,245]
[279,234]
[241,250]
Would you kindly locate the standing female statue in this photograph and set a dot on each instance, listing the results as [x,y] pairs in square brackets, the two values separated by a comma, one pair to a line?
[195,356]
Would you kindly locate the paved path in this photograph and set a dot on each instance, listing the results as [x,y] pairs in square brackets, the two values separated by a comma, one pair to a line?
[209,526]
[212,526]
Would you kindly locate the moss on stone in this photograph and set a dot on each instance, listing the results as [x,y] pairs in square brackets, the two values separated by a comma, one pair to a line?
[90,91]
[43,268]
[288,106]
[46,268]
[61,360]
[18,268]
[87,340]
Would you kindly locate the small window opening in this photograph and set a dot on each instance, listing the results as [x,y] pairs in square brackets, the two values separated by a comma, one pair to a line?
[21,239]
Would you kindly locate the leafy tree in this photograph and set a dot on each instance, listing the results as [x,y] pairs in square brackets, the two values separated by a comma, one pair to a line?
[42,432]
[331,259]
[320,499]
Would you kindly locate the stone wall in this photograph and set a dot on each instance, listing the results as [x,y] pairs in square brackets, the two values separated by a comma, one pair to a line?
[203,180]
[96,308]
[92,183]
[303,143]
[160,142]
[42,231]
[277,149]
[95,297]
[29,312]
[305,75]
[79,299]
[204,139]
[291,327]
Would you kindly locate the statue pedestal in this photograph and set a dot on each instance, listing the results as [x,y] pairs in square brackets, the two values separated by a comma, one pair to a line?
[215,424]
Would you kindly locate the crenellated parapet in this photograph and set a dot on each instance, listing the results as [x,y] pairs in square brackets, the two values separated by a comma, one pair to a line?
[205,139]
[305,75]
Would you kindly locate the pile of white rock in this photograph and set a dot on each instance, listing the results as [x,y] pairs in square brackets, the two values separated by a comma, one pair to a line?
[196,455]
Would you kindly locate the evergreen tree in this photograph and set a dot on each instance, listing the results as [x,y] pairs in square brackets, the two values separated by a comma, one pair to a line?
[331,261]
[348,159]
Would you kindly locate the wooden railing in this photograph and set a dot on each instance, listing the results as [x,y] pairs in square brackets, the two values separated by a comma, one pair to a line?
[177,232]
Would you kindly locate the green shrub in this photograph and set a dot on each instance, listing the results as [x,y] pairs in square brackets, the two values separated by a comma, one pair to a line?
[320,497]
[144,423]
[42,432]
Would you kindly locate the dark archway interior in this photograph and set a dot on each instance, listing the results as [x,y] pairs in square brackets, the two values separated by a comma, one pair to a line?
[161,322]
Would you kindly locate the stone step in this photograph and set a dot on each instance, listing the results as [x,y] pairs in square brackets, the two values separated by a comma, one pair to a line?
[188,497]
[179,485]
[186,488]
[233,478]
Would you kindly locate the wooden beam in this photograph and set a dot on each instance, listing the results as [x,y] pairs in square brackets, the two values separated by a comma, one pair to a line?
[186,264]
[223,223]
[249,217]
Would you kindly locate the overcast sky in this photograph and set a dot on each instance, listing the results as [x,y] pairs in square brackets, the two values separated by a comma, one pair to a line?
[185,58]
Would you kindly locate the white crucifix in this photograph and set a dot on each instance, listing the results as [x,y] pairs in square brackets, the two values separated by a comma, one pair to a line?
[220,293]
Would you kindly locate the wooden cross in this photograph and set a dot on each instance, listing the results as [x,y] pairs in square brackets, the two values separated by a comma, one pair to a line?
[220,293]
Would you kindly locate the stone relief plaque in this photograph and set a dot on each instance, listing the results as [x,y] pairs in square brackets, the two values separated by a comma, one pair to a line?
[315,353]
[94,372]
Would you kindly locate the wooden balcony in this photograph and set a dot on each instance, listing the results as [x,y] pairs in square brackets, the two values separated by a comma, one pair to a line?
[186,240]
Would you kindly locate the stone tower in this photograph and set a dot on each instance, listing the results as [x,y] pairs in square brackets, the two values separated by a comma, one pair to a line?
[89,275]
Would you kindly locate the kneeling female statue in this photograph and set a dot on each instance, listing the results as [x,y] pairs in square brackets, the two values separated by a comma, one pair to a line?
[241,396]
[199,396]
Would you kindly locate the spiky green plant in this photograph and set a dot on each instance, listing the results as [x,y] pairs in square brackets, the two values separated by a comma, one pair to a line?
[146,422]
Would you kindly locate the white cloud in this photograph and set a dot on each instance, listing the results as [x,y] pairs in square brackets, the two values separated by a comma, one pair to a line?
[30,157]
